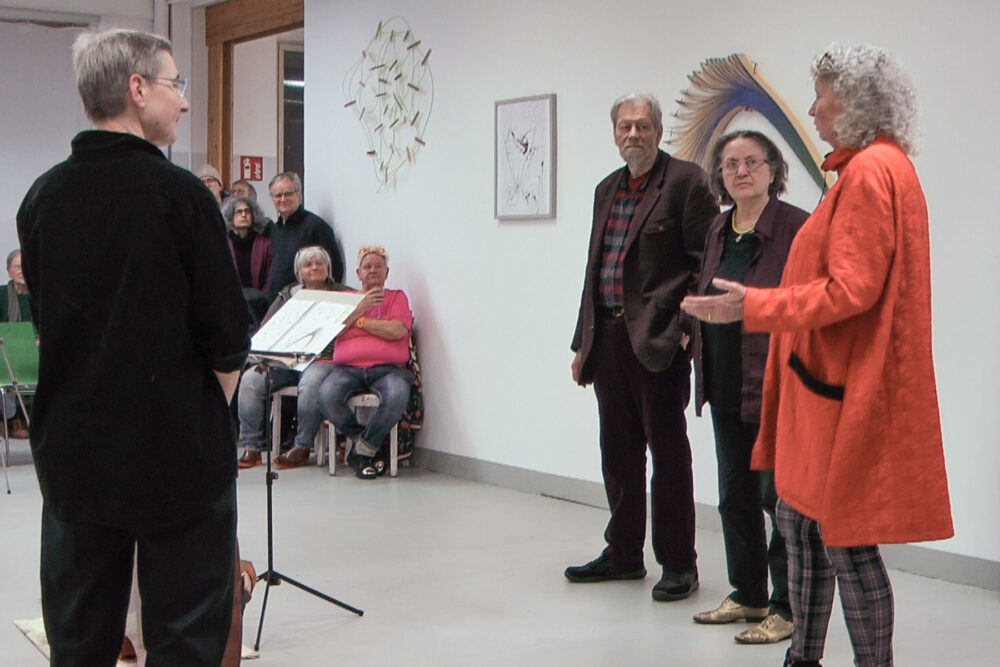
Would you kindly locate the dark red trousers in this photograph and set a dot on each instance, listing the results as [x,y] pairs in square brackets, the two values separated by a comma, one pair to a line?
[640,409]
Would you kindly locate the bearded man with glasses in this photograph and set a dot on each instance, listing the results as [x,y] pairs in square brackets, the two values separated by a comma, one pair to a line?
[649,225]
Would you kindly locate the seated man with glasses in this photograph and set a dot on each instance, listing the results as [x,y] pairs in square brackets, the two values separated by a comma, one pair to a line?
[296,228]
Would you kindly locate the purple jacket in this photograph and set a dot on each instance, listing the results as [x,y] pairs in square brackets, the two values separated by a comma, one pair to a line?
[778,224]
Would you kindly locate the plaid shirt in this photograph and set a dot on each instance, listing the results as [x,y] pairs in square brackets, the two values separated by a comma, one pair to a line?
[627,198]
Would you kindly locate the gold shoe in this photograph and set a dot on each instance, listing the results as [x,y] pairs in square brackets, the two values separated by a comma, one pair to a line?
[730,611]
[772,629]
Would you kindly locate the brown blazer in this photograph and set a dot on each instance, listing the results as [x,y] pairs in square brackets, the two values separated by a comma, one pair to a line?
[662,254]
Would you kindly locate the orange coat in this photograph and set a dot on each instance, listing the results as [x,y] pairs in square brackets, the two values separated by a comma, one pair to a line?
[850,419]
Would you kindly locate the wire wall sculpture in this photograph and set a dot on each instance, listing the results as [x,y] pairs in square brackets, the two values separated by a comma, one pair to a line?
[721,89]
[391,91]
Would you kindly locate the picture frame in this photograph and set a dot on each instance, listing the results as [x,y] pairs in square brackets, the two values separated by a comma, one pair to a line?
[524,173]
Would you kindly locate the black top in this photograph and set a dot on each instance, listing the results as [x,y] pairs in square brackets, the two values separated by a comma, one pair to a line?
[301,229]
[23,304]
[242,250]
[136,303]
[723,357]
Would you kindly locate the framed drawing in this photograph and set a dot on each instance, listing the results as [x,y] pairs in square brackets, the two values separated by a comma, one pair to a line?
[524,176]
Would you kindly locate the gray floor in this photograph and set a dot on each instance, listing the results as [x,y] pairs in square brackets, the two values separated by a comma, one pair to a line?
[451,572]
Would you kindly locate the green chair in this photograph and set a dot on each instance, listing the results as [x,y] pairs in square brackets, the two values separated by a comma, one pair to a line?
[18,373]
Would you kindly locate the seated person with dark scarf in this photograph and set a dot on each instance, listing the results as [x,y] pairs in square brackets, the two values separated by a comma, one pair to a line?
[15,308]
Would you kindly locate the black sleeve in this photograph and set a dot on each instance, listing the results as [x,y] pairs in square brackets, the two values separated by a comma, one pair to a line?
[323,236]
[700,209]
[220,318]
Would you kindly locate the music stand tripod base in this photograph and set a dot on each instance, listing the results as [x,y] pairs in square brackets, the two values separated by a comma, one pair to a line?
[271,575]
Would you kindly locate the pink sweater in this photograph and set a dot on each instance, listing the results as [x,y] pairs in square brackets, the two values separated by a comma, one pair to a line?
[356,347]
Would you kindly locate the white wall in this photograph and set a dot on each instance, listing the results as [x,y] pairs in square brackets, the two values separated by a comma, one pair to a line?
[255,106]
[38,121]
[496,303]
[125,9]
[39,107]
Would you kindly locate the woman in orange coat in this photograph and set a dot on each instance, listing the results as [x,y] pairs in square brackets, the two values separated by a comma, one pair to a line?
[850,419]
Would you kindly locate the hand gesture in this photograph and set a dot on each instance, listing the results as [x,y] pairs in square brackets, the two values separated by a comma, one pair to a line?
[718,308]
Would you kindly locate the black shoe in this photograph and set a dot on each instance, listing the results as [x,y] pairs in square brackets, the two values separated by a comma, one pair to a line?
[363,467]
[603,568]
[676,585]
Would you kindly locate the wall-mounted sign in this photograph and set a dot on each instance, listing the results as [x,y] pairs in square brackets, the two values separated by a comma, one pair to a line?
[251,168]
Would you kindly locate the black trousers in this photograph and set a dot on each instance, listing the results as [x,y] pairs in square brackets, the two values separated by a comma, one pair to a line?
[743,493]
[639,408]
[186,577]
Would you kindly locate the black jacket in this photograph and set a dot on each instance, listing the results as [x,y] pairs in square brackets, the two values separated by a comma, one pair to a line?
[136,303]
[301,229]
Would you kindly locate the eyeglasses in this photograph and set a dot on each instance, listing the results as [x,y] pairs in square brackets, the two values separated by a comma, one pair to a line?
[284,195]
[241,211]
[751,163]
[177,83]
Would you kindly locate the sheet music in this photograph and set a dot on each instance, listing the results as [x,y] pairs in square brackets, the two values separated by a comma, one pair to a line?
[304,326]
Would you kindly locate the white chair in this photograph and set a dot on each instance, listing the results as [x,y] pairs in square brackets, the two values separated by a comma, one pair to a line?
[327,437]
[276,396]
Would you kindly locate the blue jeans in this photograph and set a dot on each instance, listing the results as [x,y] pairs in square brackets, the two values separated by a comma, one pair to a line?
[253,398]
[389,382]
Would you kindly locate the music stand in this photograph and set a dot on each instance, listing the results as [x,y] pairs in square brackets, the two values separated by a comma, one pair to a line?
[19,374]
[271,575]
[292,338]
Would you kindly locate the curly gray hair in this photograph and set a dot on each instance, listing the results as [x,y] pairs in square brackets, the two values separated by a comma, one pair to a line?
[874,92]
[259,223]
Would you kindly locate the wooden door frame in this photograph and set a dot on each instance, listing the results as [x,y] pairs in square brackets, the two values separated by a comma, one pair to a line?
[226,25]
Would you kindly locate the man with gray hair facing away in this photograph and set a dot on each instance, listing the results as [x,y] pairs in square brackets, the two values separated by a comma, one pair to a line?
[650,222]
[143,331]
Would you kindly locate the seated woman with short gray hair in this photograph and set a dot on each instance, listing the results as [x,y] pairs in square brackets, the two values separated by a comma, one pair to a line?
[312,270]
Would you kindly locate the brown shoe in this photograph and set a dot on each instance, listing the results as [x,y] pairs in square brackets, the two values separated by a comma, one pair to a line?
[250,458]
[128,652]
[294,458]
[17,428]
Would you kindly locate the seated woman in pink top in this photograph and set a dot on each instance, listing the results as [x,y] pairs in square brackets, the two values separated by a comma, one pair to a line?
[370,355]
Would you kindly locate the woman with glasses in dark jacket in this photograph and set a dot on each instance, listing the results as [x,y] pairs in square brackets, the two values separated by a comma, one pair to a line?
[748,243]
